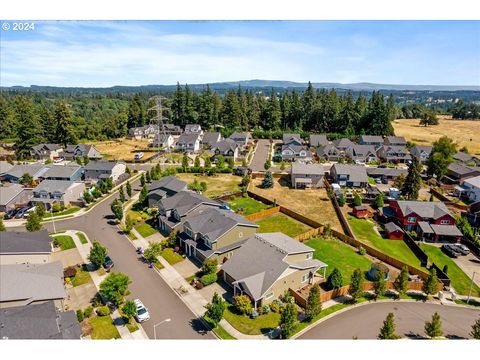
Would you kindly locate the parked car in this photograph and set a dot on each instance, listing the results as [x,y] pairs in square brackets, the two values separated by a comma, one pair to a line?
[384,180]
[10,214]
[21,212]
[378,180]
[462,249]
[450,251]
[138,155]
[28,211]
[108,263]
[142,311]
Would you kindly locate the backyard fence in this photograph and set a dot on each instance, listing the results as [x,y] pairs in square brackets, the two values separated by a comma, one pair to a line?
[309,234]
[264,213]
[448,201]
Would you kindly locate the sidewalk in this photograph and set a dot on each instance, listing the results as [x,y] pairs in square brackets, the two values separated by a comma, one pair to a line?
[84,250]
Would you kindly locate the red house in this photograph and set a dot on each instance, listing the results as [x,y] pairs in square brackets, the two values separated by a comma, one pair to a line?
[393,231]
[361,212]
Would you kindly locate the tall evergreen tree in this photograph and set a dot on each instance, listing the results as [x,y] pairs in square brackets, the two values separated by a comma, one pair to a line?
[177,106]
[190,114]
[413,181]
[28,131]
[231,115]
[288,319]
[64,132]
[8,124]
[253,111]
[48,125]
[314,305]
[430,285]
[309,101]
[273,114]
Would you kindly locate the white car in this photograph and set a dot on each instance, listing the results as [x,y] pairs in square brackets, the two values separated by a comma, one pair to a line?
[142,311]
[138,155]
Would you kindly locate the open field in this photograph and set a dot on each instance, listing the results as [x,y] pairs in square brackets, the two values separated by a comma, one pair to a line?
[313,203]
[461,131]
[217,185]
[121,149]
[282,223]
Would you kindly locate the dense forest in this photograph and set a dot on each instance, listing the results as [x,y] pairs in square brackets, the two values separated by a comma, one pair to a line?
[31,117]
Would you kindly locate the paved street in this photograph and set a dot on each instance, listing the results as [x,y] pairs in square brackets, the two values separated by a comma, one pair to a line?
[470,264]
[365,321]
[261,155]
[147,285]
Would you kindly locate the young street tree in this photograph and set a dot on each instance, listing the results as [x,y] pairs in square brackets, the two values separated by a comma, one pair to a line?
[97,255]
[142,180]
[401,282]
[215,310]
[129,309]
[379,201]
[434,328]
[128,224]
[413,180]
[335,280]
[387,331]
[430,285]
[114,287]
[288,320]
[185,162]
[40,209]
[148,178]
[380,284]
[476,330]
[129,189]
[33,222]
[117,209]
[314,306]
[142,199]
[152,252]
[121,195]
[356,285]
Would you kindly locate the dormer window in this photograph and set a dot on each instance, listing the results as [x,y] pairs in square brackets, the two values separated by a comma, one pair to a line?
[308,256]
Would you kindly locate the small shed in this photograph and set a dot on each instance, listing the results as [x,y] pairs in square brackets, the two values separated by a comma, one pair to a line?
[393,231]
[361,212]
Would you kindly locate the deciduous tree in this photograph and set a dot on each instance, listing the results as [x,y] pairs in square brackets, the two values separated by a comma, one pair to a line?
[114,287]
[97,255]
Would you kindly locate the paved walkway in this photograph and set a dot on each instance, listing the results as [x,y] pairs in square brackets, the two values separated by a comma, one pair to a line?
[84,250]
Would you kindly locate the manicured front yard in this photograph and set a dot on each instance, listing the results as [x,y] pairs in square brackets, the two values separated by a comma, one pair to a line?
[217,184]
[82,277]
[363,230]
[65,242]
[282,223]
[338,255]
[460,281]
[68,211]
[82,237]
[171,256]
[247,205]
[145,230]
[244,324]
[103,328]
[222,333]
[138,216]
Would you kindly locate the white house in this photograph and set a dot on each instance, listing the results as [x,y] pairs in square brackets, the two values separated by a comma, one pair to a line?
[470,189]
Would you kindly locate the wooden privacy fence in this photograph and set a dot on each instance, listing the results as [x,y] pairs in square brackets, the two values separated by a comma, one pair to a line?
[264,213]
[309,234]
[447,201]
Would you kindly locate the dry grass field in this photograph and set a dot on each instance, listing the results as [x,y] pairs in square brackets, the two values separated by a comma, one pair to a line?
[123,149]
[313,203]
[217,185]
[463,132]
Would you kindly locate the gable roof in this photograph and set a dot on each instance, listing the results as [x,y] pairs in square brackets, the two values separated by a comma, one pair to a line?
[417,149]
[296,148]
[318,140]
[357,173]
[8,192]
[397,140]
[5,166]
[424,209]
[51,186]
[167,184]
[325,150]
[240,135]
[35,170]
[473,181]
[360,150]
[188,137]
[13,242]
[62,171]
[461,169]
[193,128]
[185,201]
[48,147]
[371,139]
[38,321]
[288,138]
[391,227]
[210,138]
[343,143]
[225,145]
[102,165]
[311,169]
[464,157]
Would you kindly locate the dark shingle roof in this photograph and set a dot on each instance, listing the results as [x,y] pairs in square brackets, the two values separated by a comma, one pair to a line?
[318,140]
[12,242]
[167,184]
[425,209]
[311,169]
[101,165]
[391,227]
[62,171]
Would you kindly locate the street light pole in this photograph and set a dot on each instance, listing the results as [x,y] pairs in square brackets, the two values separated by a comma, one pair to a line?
[53,220]
[471,285]
[155,327]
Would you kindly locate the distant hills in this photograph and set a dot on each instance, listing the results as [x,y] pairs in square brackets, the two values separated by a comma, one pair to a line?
[254,84]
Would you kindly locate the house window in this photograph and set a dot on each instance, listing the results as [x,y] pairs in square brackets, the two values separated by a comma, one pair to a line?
[305,278]
[444,222]
[411,219]
[269,295]
[188,232]
[308,256]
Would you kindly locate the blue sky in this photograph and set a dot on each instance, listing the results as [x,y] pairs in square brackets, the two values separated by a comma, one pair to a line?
[95,53]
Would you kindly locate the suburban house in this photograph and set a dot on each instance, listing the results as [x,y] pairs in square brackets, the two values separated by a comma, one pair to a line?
[306,175]
[347,175]
[458,172]
[292,152]
[35,170]
[227,147]
[269,264]
[100,170]
[241,138]
[45,151]
[13,196]
[469,189]
[395,140]
[173,211]
[70,172]
[292,139]
[343,144]
[189,142]
[210,139]
[24,284]
[163,188]
[40,321]
[431,219]
[421,152]
[25,247]
[329,153]
[393,154]
[193,128]
[142,132]
[4,167]
[375,140]
[81,151]
[163,141]
[393,231]
[215,233]
[386,172]
[361,153]
[172,129]
[58,191]
[467,158]
[317,140]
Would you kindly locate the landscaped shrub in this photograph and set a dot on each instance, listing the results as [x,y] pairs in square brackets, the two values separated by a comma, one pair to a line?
[361,250]
[80,315]
[243,304]
[335,280]
[88,312]
[209,266]
[208,279]
[103,311]
[275,307]
[265,309]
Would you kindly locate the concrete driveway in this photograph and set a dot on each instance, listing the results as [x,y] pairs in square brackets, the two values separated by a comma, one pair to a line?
[365,321]
[261,155]
[469,264]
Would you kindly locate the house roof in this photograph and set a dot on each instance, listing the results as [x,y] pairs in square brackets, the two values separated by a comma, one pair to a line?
[38,321]
[260,262]
[446,230]
[461,169]
[188,137]
[392,172]
[211,138]
[13,242]
[35,170]
[318,140]
[357,173]
[51,186]
[5,166]
[185,201]
[193,127]
[396,140]
[474,182]
[464,157]
[31,282]
[324,150]
[356,150]
[237,135]
[62,171]
[167,184]
[288,138]
[425,227]
[101,165]
[343,143]
[311,169]
[424,209]
[48,147]
[296,148]
[392,227]
[371,139]
[417,149]
[225,145]
[8,192]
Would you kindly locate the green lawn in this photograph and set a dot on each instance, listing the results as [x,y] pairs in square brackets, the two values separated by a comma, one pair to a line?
[460,281]
[371,180]
[82,277]
[363,230]
[65,242]
[247,204]
[282,223]
[260,325]
[222,333]
[103,328]
[82,237]
[338,255]
[138,216]
[68,211]
[132,326]
[171,256]
[145,230]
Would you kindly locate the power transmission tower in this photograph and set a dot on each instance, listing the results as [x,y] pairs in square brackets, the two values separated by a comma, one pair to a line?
[158,118]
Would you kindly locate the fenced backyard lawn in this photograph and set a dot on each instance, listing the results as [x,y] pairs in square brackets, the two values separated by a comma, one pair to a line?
[247,205]
[217,185]
[282,223]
